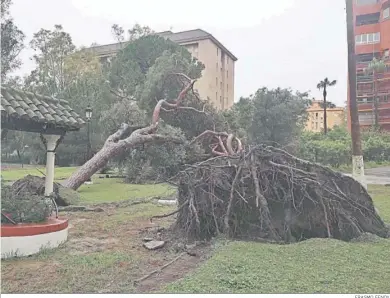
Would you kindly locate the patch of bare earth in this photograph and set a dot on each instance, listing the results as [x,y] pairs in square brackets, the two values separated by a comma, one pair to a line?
[105,254]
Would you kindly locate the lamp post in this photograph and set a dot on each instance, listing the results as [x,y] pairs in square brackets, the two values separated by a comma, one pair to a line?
[22,156]
[88,115]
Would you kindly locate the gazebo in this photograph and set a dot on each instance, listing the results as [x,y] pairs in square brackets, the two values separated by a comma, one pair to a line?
[48,116]
[51,118]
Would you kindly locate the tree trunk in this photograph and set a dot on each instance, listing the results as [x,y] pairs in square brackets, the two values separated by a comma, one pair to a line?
[125,138]
[376,103]
[93,165]
[357,153]
[115,146]
[325,120]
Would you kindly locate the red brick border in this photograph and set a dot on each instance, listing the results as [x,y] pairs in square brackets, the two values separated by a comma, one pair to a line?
[50,226]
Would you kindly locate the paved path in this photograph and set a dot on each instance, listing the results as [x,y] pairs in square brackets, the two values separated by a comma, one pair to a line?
[377,176]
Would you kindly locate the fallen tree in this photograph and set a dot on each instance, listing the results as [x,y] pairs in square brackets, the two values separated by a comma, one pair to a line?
[126,137]
[267,193]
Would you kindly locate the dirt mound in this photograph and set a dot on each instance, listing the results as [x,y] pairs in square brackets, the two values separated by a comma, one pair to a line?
[36,185]
[267,193]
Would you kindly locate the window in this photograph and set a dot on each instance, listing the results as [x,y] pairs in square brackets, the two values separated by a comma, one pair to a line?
[366,2]
[377,37]
[365,117]
[216,96]
[386,13]
[227,74]
[368,38]
[367,57]
[216,82]
[366,19]
[386,53]
[227,60]
[220,85]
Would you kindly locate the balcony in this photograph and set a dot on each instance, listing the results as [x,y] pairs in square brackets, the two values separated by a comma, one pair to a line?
[367,19]
[366,2]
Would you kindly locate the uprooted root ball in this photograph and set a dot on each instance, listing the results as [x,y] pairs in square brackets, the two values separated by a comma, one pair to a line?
[268,193]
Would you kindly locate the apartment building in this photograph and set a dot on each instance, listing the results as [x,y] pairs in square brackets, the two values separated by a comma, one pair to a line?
[315,122]
[372,39]
[217,81]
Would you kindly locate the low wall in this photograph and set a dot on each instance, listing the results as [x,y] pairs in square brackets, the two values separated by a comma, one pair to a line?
[28,239]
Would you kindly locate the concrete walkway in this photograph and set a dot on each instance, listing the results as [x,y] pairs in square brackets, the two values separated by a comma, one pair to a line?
[377,176]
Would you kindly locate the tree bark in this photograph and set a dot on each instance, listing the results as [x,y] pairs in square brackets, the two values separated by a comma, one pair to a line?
[125,139]
[325,120]
[376,104]
[114,147]
[357,152]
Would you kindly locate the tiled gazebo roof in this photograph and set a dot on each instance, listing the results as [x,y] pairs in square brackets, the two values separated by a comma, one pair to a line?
[22,110]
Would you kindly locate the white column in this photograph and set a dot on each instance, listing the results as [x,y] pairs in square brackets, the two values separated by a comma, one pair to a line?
[358,170]
[50,159]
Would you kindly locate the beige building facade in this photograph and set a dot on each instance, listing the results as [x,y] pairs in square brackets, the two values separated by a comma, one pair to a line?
[315,121]
[217,81]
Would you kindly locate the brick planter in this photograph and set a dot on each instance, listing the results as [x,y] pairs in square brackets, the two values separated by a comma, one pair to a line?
[28,239]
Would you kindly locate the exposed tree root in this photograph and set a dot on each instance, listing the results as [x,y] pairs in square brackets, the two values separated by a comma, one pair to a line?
[268,193]
[158,270]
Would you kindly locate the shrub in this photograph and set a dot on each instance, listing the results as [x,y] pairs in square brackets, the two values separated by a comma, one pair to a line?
[334,148]
[24,208]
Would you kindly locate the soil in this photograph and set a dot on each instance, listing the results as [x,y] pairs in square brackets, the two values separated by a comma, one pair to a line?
[112,234]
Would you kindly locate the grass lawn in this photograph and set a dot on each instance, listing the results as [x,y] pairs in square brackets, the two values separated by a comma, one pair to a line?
[103,190]
[104,251]
[313,266]
[104,254]
[13,174]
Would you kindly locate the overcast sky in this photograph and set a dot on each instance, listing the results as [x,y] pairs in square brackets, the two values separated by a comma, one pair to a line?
[285,43]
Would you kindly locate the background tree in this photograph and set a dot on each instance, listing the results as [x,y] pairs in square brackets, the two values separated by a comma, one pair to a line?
[324,85]
[73,74]
[11,42]
[375,67]
[51,50]
[328,104]
[274,116]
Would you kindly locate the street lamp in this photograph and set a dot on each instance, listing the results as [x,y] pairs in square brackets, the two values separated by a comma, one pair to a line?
[88,115]
[22,156]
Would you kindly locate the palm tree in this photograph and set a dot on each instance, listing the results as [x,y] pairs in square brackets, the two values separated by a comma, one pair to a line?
[323,85]
[329,105]
[375,66]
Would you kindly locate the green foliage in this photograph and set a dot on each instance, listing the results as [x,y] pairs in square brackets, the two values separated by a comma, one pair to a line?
[142,74]
[151,162]
[376,146]
[75,75]
[270,116]
[334,149]
[68,196]
[23,208]
[51,49]
[129,70]
[11,41]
